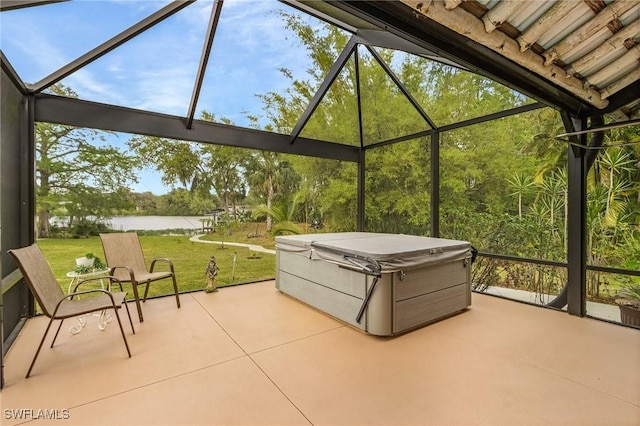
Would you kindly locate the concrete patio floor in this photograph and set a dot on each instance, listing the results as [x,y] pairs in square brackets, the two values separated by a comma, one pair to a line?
[249,355]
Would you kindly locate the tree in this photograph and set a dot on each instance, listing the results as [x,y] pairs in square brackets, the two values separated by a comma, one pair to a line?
[143,201]
[481,166]
[179,162]
[270,178]
[397,177]
[76,163]
[328,189]
[521,185]
[227,164]
[398,188]
[197,167]
[615,164]
[180,202]
[92,202]
[283,214]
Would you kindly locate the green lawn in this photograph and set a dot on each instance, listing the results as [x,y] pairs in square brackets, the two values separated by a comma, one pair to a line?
[189,259]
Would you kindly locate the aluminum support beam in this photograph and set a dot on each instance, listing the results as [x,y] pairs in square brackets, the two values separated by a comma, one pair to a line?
[204,59]
[321,15]
[12,74]
[362,171]
[109,45]
[435,184]
[602,127]
[27,178]
[387,40]
[421,134]
[359,98]
[362,174]
[402,87]
[595,143]
[490,117]
[589,155]
[470,122]
[576,222]
[28,188]
[400,19]
[627,96]
[19,4]
[324,87]
[621,84]
[76,112]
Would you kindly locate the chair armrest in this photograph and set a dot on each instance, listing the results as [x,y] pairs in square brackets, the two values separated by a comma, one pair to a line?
[70,296]
[106,277]
[162,259]
[131,275]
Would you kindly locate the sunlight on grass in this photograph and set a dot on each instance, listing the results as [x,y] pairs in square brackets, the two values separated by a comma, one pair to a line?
[237,264]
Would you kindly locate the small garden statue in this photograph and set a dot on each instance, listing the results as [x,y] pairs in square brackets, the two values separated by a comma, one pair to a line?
[211,270]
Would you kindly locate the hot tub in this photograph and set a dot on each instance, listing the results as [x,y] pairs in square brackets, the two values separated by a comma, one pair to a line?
[382,284]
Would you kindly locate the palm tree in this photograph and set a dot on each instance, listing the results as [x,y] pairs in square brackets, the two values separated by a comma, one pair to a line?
[522,185]
[269,176]
[614,163]
[282,213]
[544,146]
[265,176]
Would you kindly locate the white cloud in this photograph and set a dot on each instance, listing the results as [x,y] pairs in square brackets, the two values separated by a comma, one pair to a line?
[33,53]
[156,70]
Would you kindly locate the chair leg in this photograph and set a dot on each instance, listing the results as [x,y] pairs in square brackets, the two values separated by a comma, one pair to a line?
[175,290]
[44,336]
[146,291]
[58,331]
[136,296]
[115,310]
[129,315]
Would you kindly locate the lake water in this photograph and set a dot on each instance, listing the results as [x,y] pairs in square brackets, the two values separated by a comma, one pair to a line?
[147,223]
[154,223]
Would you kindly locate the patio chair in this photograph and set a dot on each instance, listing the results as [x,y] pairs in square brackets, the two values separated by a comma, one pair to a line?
[125,259]
[55,304]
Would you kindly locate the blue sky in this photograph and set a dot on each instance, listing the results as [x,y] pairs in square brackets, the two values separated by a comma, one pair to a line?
[156,70]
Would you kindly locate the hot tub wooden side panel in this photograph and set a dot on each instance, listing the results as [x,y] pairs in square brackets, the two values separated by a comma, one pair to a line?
[432,278]
[339,305]
[324,273]
[397,304]
[325,286]
[421,310]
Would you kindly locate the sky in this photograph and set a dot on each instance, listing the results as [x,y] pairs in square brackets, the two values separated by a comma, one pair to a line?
[156,70]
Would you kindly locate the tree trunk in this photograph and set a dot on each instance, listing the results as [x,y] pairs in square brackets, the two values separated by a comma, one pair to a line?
[269,202]
[43,230]
[520,206]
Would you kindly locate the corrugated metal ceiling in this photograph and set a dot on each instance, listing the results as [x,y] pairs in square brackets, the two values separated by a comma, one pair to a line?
[589,49]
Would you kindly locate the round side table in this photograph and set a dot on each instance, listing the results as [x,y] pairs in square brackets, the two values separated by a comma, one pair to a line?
[76,277]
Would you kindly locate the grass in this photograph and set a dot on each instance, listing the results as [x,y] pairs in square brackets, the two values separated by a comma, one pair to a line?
[252,233]
[189,259]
